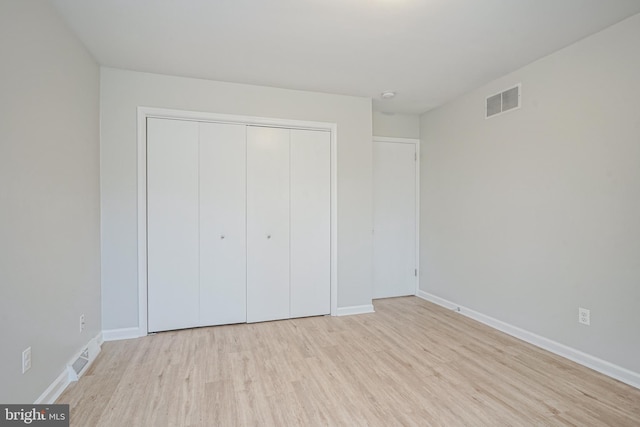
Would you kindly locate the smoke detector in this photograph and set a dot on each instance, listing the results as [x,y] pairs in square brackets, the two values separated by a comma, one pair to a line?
[387,94]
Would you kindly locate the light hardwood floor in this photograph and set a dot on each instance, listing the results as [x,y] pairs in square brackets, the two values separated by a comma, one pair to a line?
[410,363]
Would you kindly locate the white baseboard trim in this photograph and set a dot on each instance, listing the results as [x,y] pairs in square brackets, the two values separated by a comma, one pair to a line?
[55,389]
[121,334]
[436,300]
[68,375]
[607,368]
[355,309]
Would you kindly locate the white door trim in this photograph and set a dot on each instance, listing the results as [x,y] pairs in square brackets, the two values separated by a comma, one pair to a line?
[146,112]
[415,142]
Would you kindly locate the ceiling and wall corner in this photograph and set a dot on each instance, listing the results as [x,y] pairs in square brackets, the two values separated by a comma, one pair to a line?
[428,52]
[395,125]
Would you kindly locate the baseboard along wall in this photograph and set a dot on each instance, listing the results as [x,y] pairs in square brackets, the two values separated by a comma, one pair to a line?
[619,373]
[69,374]
[614,371]
[121,334]
[355,309]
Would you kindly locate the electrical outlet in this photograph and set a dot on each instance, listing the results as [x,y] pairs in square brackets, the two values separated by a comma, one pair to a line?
[584,316]
[81,322]
[26,360]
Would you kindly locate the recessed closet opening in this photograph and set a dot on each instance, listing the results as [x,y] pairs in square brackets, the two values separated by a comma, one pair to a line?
[237,219]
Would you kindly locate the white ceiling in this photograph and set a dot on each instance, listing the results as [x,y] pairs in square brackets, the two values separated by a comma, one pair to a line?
[428,51]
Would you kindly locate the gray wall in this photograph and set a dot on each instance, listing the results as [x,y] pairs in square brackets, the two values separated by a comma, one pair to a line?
[49,197]
[396,125]
[123,91]
[529,215]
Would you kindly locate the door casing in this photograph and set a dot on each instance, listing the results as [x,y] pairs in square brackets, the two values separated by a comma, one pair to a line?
[416,143]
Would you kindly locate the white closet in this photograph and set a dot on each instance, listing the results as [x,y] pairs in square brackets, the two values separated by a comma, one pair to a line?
[238,223]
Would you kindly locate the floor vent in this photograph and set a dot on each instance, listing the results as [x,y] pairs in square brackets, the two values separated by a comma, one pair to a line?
[81,361]
[504,101]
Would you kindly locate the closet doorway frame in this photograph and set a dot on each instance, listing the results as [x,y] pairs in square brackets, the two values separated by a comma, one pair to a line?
[162,113]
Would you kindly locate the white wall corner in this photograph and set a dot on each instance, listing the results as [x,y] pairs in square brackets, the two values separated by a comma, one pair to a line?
[355,309]
[121,334]
[607,368]
[68,375]
[100,340]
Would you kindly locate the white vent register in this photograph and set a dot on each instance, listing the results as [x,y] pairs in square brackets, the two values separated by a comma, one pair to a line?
[504,101]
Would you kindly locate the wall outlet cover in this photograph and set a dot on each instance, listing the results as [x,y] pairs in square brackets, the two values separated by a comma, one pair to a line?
[26,359]
[584,316]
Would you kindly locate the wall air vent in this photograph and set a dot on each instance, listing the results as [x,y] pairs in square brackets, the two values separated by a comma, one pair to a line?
[504,101]
[81,361]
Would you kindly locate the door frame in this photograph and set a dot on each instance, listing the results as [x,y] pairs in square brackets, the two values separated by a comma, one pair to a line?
[151,112]
[416,143]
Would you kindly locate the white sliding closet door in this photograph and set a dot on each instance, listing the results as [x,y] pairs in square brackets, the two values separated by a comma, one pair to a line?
[222,224]
[172,224]
[267,223]
[310,223]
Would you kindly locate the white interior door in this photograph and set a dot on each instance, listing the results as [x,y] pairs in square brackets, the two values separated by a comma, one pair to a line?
[267,223]
[310,223]
[394,213]
[222,224]
[172,224]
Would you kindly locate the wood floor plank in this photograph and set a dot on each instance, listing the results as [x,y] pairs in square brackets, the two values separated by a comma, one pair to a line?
[411,363]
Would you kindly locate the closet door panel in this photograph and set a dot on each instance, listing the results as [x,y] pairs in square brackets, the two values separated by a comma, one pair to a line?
[172,224]
[222,224]
[267,223]
[310,223]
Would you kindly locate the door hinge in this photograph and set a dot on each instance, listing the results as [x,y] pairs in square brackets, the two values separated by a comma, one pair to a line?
[415,157]
[415,272]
